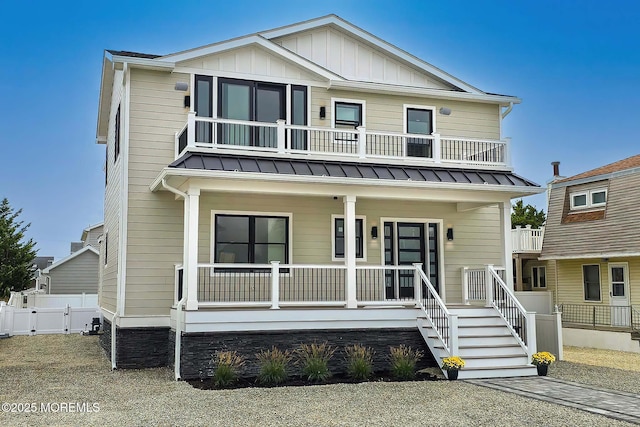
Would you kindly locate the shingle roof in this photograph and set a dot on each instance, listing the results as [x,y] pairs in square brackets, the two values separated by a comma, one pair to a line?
[343,169]
[628,163]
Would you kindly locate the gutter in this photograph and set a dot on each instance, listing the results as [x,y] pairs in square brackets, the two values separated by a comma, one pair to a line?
[178,343]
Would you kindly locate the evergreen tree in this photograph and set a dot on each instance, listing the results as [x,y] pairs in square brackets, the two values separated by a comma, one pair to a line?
[16,256]
[527,215]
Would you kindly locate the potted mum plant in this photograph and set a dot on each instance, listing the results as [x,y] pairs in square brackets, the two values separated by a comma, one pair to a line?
[452,364]
[542,360]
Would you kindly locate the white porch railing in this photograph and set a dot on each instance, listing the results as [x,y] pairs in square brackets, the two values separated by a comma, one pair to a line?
[279,137]
[488,285]
[527,239]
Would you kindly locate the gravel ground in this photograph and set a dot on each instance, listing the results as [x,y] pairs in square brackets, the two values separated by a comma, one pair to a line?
[71,368]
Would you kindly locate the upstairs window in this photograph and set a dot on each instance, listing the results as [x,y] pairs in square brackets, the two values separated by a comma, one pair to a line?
[348,115]
[589,199]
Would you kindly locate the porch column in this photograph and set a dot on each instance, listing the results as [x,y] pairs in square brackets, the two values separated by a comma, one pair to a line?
[519,285]
[350,248]
[505,221]
[190,262]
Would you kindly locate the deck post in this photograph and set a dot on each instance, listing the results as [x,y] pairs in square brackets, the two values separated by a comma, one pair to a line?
[531,334]
[281,135]
[465,285]
[362,141]
[488,283]
[437,148]
[275,285]
[190,274]
[350,248]
[453,343]
[505,221]
[191,129]
[417,282]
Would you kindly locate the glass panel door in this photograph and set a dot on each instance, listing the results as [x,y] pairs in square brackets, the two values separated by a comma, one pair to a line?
[269,107]
[406,248]
[299,117]
[235,103]
[419,122]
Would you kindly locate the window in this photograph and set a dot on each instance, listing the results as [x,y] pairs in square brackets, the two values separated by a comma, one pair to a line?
[348,115]
[591,279]
[419,121]
[251,239]
[589,199]
[299,117]
[117,136]
[339,236]
[539,277]
[203,107]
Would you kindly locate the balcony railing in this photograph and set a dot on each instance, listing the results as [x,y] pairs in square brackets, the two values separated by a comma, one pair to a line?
[279,137]
[527,239]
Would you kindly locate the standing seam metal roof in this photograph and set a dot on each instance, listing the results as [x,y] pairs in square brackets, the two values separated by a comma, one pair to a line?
[342,169]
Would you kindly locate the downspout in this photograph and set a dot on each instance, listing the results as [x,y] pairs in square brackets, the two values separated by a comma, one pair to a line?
[178,343]
[506,112]
[115,317]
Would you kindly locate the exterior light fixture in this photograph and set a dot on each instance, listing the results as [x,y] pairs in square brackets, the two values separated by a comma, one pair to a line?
[323,112]
[449,233]
[182,86]
[445,111]
[374,232]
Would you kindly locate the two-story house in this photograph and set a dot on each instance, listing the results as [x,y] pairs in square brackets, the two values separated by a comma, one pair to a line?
[310,182]
[592,251]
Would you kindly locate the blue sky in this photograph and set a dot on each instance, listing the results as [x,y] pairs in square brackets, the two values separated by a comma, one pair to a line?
[575,64]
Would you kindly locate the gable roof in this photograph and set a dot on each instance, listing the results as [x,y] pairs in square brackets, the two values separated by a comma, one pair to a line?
[619,166]
[87,230]
[70,257]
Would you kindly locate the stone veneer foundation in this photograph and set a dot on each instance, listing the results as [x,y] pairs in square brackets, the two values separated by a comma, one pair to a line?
[137,347]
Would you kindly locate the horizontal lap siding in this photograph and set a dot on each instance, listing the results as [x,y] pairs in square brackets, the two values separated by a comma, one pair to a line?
[155,220]
[571,287]
[385,113]
[76,276]
[112,203]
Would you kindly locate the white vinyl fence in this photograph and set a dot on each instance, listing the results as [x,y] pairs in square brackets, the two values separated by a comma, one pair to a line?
[35,321]
[548,322]
[42,300]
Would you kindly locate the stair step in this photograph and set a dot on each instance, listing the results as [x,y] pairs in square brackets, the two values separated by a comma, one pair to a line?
[498,372]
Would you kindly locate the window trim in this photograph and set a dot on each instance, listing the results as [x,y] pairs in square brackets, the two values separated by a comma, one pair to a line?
[363,112]
[363,258]
[289,215]
[405,121]
[584,294]
[535,285]
[589,196]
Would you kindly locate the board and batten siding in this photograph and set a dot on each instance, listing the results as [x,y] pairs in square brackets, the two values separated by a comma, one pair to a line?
[76,276]
[612,234]
[570,286]
[154,220]
[357,60]
[385,113]
[112,203]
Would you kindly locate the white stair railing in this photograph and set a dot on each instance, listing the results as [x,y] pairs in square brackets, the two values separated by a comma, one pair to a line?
[442,321]
[521,322]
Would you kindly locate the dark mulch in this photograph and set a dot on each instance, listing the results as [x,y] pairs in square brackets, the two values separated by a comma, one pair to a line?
[207,383]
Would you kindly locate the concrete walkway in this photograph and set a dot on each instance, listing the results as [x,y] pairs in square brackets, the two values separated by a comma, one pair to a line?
[613,404]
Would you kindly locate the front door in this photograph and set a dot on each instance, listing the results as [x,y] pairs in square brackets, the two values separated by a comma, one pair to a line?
[406,243]
[619,293]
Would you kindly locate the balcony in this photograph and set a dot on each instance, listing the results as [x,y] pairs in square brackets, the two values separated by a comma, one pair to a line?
[204,133]
[527,240]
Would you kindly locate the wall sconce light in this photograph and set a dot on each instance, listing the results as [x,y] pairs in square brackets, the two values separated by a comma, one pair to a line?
[449,233]
[445,111]
[374,232]
[182,86]
[323,112]
[187,101]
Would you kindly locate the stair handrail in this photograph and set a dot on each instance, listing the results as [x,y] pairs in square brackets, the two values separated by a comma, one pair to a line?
[442,321]
[520,322]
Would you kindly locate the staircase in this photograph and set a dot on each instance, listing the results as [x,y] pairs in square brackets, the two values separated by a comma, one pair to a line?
[484,342]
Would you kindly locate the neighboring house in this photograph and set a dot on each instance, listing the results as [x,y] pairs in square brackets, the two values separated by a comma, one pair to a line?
[592,253]
[79,272]
[279,187]
[39,264]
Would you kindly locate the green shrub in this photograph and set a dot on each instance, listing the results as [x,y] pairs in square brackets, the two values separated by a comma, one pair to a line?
[314,360]
[403,362]
[359,361]
[227,364]
[274,366]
